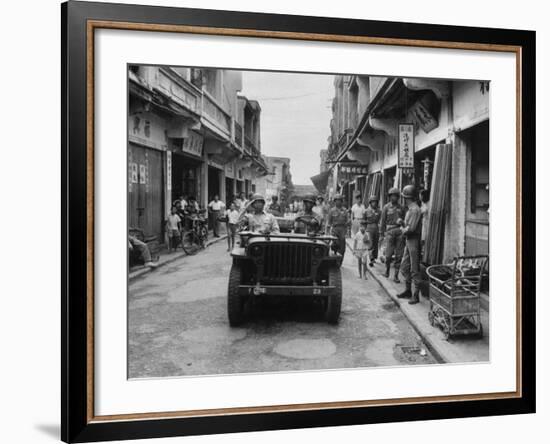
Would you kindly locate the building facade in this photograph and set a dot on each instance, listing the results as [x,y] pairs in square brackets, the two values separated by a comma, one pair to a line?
[449,128]
[190,134]
[278,180]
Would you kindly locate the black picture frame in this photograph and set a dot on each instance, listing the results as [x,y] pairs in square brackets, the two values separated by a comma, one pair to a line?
[77,425]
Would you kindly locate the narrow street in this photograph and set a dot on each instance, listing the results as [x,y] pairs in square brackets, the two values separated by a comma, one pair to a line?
[177,325]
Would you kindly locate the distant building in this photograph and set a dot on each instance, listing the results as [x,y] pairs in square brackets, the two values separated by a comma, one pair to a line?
[300,191]
[278,180]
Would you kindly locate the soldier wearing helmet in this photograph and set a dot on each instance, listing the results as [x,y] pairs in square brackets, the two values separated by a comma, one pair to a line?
[338,222]
[258,220]
[308,203]
[390,230]
[412,230]
[371,218]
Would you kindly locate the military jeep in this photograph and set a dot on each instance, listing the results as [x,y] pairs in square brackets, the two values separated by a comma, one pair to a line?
[285,264]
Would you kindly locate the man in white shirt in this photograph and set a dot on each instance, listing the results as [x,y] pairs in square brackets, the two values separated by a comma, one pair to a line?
[215,207]
[357,215]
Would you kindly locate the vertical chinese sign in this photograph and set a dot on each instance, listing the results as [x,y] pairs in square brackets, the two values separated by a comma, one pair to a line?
[406,146]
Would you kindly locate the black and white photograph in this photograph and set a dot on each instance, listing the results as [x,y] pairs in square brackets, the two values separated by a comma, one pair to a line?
[299,221]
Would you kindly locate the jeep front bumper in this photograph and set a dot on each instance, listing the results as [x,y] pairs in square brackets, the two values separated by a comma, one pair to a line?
[285,290]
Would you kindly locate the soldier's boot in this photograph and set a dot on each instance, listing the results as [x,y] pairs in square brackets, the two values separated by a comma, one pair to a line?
[415,299]
[396,277]
[405,294]
[387,273]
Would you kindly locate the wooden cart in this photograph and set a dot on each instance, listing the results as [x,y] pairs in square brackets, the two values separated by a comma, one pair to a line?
[454,296]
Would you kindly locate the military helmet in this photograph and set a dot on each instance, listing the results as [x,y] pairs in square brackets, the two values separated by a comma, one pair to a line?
[409,192]
[309,198]
[373,198]
[256,197]
[394,191]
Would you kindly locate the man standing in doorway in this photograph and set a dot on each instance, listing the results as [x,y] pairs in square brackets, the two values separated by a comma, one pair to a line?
[215,207]
[372,218]
[411,229]
[390,231]
[337,222]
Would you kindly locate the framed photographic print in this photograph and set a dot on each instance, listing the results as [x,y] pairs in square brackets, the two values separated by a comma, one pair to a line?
[275,221]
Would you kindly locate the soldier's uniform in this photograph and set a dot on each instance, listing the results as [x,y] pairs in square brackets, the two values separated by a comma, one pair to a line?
[258,222]
[390,230]
[412,230]
[300,227]
[338,221]
[371,219]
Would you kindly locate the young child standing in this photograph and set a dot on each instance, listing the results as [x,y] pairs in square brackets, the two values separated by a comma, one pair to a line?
[361,245]
[232,215]
[173,225]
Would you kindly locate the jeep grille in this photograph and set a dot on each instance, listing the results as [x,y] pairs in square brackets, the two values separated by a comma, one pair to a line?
[283,262]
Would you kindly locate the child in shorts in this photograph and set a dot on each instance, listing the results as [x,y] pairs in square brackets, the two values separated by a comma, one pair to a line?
[173,225]
[361,246]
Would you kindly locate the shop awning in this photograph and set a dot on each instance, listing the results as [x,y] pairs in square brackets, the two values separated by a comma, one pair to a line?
[320,181]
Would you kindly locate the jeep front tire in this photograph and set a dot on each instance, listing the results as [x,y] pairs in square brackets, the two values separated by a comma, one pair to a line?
[235,302]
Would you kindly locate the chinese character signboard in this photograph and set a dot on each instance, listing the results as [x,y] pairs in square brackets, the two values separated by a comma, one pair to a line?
[406,145]
[349,172]
[192,144]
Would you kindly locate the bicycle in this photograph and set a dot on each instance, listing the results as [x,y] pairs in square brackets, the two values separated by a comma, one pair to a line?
[195,239]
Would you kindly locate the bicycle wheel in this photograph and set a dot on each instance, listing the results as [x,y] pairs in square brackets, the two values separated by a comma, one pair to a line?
[204,232]
[190,243]
[203,236]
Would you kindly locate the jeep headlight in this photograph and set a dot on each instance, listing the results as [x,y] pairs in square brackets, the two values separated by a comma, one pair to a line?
[318,251]
[256,250]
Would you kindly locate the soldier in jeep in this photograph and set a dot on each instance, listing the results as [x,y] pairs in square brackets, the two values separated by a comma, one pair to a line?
[307,215]
[258,220]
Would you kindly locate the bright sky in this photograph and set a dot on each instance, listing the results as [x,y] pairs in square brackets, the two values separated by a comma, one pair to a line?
[295,118]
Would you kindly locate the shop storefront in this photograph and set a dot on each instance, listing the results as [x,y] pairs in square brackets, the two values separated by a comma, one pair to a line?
[145,190]
[214,182]
[186,167]
[186,174]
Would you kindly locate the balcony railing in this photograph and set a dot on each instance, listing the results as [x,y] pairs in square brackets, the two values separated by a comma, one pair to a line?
[216,114]
[180,90]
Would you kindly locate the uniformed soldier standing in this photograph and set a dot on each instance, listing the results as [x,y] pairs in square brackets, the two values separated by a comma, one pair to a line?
[412,230]
[308,203]
[338,222]
[390,231]
[258,220]
[371,219]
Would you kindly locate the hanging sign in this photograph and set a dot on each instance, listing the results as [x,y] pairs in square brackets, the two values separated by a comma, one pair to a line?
[406,145]
[192,144]
[169,170]
[349,172]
